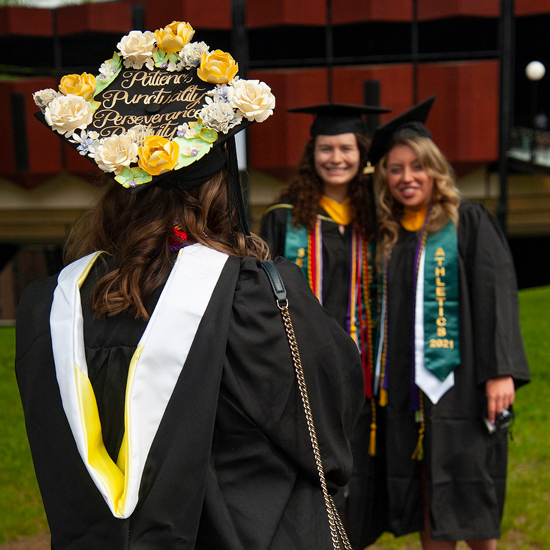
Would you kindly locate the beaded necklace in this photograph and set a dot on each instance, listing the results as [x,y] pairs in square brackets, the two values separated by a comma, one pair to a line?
[362,306]
[417,402]
[315,261]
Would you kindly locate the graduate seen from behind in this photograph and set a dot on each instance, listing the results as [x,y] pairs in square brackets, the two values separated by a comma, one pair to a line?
[159,392]
[451,353]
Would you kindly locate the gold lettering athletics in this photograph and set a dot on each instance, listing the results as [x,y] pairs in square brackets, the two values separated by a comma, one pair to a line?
[440,294]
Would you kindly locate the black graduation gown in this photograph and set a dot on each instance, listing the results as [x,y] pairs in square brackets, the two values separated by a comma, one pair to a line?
[465,466]
[231,465]
[336,257]
[363,502]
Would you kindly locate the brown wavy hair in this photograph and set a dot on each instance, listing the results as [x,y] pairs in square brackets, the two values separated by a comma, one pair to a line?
[445,197]
[306,189]
[135,230]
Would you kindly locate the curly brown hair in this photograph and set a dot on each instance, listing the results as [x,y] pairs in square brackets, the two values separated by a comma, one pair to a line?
[445,197]
[306,189]
[135,231]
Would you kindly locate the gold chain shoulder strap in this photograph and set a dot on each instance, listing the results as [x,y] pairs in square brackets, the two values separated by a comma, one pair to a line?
[338,533]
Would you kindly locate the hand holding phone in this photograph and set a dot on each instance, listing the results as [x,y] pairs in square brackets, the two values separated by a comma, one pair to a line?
[500,394]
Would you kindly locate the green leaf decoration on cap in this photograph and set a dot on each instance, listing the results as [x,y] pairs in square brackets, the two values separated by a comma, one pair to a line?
[159,57]
[132,177]
[208,135]
[94,104]
[109,70]
[191,150]
[173,57]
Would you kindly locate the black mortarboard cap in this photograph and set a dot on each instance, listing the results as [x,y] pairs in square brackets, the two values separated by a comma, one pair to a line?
[176,99]
[333,119]
[408,124]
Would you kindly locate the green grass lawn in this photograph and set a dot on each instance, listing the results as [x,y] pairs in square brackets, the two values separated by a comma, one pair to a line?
[21,511]
[526,523]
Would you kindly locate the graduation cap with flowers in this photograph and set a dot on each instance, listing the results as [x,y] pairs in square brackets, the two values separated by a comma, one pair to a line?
[159,110]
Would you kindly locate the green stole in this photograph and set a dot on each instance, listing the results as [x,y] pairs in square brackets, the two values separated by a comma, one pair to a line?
[296,244]
[441,302]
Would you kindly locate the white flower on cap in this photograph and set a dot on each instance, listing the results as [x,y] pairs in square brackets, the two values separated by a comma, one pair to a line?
[252,98]
[67,113]
[219,116]
[136,47]
[191,53]
[139,133]
[42,98]
[116,152]
[87,142]
[107,69]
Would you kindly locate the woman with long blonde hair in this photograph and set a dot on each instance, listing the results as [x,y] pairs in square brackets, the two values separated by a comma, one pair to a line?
[451,353]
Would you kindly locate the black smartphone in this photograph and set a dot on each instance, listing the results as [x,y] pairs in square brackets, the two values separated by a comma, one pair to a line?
[502,421]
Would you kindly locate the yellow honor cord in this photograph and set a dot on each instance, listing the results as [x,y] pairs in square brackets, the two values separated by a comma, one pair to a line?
[372,442]
[418,453]
[413,220]
[340,213]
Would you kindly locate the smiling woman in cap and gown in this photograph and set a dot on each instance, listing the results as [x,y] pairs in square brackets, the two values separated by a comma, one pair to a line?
[450,354]
[157,383]
[324,222]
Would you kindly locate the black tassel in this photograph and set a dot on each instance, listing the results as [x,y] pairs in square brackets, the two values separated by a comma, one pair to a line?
[234,191]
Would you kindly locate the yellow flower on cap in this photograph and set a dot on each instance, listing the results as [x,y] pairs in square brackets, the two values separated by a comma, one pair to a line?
[83,85]
[217,67]
[158,155]
[173,37]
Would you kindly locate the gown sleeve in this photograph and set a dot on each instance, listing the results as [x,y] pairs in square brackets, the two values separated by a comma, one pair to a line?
[498,345]
[273,230]
[265,381]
